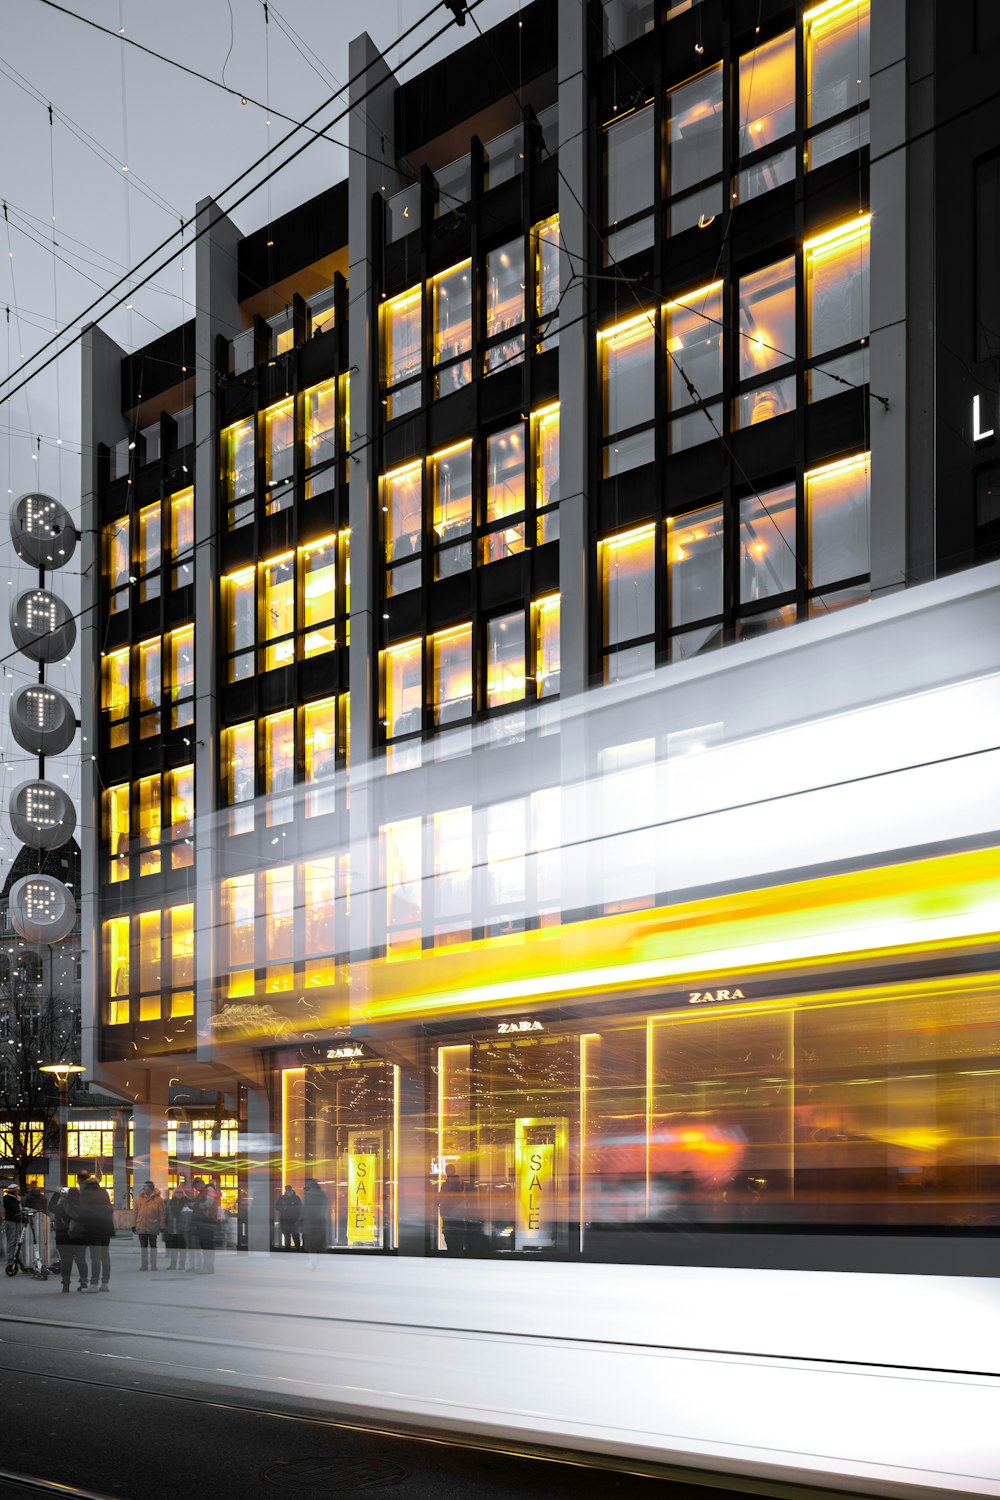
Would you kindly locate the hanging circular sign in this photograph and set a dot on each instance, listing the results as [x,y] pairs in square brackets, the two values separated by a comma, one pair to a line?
[42,531]
[41,814]
[41,719]
[42,909]
[42,625]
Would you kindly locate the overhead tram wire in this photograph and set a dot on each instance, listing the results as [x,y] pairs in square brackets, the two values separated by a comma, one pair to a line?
[224,212]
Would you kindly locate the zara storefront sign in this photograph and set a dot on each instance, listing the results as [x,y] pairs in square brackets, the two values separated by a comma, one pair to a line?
[335,1054]
[712,997]
[504,1028]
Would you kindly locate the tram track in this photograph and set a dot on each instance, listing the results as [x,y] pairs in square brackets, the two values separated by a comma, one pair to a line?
[39,1486]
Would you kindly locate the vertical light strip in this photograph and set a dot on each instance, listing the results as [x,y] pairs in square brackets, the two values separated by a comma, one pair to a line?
[649,1103]
[395,1156]
[791,1103]
[287,1074]
[585,1037]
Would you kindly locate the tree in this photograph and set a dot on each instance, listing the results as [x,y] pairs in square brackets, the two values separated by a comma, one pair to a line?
[39,1023]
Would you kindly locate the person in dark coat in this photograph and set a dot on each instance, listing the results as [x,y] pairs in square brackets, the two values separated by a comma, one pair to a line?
[68,1222]
[205,1217]
[98,1227]
[12,1215]
[315,1218]
[176,1238]
[289,1211]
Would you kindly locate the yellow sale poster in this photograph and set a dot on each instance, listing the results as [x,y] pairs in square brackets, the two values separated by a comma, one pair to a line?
[534,1194]
[362,1198]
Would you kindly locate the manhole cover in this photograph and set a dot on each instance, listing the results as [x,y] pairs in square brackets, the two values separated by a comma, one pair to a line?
[336,1473]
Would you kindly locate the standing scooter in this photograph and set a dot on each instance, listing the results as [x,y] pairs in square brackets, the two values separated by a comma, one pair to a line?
[27,1245]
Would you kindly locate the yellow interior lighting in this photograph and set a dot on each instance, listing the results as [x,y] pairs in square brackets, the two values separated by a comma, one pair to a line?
[403,472]
[684,302]
[401,646]
[404,300]
[440,636]
[840,235]
[628,538]
[841,466]
[451,271]
[828,12]
[623,114]
[543,413]
[447,452]
[243,576]
[629,326]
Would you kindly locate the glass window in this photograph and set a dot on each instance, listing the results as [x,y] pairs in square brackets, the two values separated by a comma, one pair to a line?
[319,596]
[452,871]
[402,492]
[180,802]
[547,652]
[629,167]
[452,651]
[837,516]
[451,489]
[150,825]
[504,304]
[182,538]
[694,343]
[116,968]
[767,318]
[505,659]
[694,134]
[767,544]
[545,240]
[451,293]
[321,423]
[837,66]
[238,904]
[767,93]
[694,560]
[279,888]
[837,291]
[238,449]
[319,725]
[403,688]
[279,765]
[115,687]
[627,355]
[241,609]
[764,174]
[505,493]
[545,439]
[149,687]
[239,770]
[180,935]
[279,454]
[627,570]
[504,156]
[322,310]
[116,829]
[182,676]
[401,352]
[149,558]
[320,901]
[117,563]
[279,610]
[403,865]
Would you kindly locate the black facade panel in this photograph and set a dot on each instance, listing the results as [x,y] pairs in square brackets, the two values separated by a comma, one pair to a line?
[839,425]
[450,420]
[504,583]
[765,450]
[405,616]
[277,533]
[317,357]
[178,606]
[402,263]
[318,677]
[276,688]
[158,366]
[298,238]
[694,475]
[836,191]
[450,241]
[502,395]
[237,549]
[450,601]
[765,227]
[547,568]
[545,378]
[626,498]
[238,701]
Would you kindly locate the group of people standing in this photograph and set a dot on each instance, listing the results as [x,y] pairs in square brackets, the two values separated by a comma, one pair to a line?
[304,1223]
[84,1222]
[189,1222]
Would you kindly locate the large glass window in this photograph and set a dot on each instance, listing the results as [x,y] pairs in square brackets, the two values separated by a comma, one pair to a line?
[401,352]
[505,494]
[504,306]
[117,563]
[451,489]
[402,493]
[451,295]
[628,599]
[767,94]
[279,455]
[837,505]
[694,150]
[629,178]
[182,676]
[279,610]
[837,77]
[403,689]
[182,538]
[149,552]
[116,969]
[452,654]
[116,830]
[239,459]
[180,801]
[319,596]
[115,695]
[767,341]
[180,936]
[279,927]
[693,332]
[628,387]
[545,446]
[150,687]
[238,911]
[150,824]
[838,306]
[547,646]
[321,423]
[767,544]
[695,550]
[241,623]
[545,241]
[279,766]
[239,770]
[319,726]
[505,659]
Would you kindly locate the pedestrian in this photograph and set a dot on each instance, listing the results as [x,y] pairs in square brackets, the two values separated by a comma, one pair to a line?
[3,1221]
[150,1217]
[174,1236]
[289,1211]
[315,1220]
[12,1216]
[98,1227]
[204,1218]
[67,1218]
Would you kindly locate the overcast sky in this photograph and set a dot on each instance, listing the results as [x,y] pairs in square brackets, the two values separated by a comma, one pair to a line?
[181,139]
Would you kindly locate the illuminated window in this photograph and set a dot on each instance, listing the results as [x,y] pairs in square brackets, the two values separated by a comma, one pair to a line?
[545,244]
[837,506]
[451,293]
[319,724]
[241,623]
[279,455]
[767,94]
[838,306]
[279,610]
[322,310]
[504,306]
[150,825]
[628,597]
[837,78]
[627,383]
[239,458]
[452,872]
[149,552]
[180,799]
[320,893]
[180,936]
[115,695]
[182,677]
[345,407]
[320,403]
[239,763]
[117,563]
[767,340]
[403,689]
[452,654]
[547,652]
[403,882]
[31,1134]
[694,576]
[451,489]
[149,966]
[229,1137]
[238,904]
[629,166]
[505,494]
[182,538]
[202,1132]
[319,596]
[694,151]
[402,492]
[504,659]
[545,449]
[116,969]
[693,333]
[90,1138]
[150,684]
[402,337]
[279,765]
[345,570]
[767,544]
[116,829]
[279,928]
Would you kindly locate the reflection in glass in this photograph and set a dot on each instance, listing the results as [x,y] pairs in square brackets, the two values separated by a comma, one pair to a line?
[629,166]
[694,131]
[115,695]
[693,332]
[451,486]
[765,401]
[545,242]
[763,175]
[767,93]
[547,646]
[837,286]
[116,829]
[694,563]
[149,552]
[321,423]
[182,676]
[767,318]
[451,293]
[279,765]
[837,59]
[319,596]
[182,538]
[837,504]
[117,564]
[767,544]
[238,447]
[627,571]
[401,503]
[403,688]
[319,723]
[239,768]
[401,351]
[242,624]
[150,686]
[452,653]
[505,659]
[627,354]
[279,610]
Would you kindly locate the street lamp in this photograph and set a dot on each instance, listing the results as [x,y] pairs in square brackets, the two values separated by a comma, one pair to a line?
[62,1072]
